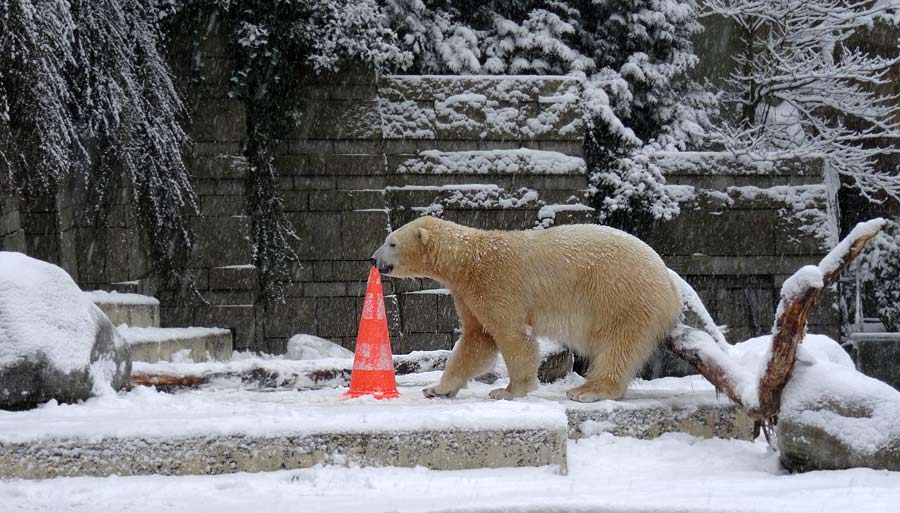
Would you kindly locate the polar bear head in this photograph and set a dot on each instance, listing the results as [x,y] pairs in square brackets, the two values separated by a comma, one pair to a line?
[405,252]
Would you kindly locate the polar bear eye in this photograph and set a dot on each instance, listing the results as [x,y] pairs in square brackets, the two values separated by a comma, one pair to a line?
[393,244]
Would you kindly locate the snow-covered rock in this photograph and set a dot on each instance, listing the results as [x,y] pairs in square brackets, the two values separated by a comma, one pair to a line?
[54,342]
[834,417]
[309,347]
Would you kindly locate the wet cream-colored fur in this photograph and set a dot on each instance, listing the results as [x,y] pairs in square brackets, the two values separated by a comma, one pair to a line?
[600,291]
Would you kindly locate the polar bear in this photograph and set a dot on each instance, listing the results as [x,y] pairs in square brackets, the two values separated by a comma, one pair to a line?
[600,291]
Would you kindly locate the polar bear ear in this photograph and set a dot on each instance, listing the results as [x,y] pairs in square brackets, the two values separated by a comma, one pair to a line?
[424,235]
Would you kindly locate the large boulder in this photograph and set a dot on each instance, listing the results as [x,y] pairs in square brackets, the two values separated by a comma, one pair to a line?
[54,342]
[834,417]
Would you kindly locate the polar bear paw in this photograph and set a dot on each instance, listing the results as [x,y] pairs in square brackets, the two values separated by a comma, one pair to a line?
[585,394]
[439,391]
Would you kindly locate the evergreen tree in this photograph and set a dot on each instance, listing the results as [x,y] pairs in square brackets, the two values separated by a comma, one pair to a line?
[634,57]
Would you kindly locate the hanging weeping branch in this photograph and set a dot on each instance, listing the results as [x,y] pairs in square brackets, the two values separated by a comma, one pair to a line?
[761,398]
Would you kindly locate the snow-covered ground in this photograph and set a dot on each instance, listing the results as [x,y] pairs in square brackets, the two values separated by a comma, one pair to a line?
[674,473]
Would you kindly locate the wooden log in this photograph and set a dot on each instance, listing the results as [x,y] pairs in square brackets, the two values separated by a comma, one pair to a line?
[793,311]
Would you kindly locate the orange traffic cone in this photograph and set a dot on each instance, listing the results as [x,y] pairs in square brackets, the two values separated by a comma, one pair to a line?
[373,367]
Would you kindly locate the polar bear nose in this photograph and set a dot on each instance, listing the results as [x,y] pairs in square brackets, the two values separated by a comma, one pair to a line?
[374,262]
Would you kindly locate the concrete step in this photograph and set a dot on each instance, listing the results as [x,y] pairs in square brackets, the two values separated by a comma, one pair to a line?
[178,344]
[125,308]
[223,431]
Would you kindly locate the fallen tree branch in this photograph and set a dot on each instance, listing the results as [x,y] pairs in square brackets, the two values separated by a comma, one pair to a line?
[799,294]
[761,397]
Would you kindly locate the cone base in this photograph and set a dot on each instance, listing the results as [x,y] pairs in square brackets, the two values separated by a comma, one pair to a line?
[377,394]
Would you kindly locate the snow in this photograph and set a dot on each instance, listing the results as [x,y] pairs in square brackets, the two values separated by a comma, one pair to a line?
[522,160]
[550,211]
[145,412]
[120,298]
[310,347]
[138,335]
[673,473]
[693,303]
[442,292]
[860,411]
[833,259]
[43,312]
[806,278]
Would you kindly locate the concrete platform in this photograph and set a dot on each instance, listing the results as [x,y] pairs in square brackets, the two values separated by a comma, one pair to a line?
[221,428]
[124,308]
[222,431]
[170,344]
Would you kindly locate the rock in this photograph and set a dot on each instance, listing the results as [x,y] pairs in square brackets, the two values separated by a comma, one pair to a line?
[54,342]
[308,347]
[834,417]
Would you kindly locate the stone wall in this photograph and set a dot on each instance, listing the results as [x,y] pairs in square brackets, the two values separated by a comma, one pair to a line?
[743,229]
[12,237]
[369,154]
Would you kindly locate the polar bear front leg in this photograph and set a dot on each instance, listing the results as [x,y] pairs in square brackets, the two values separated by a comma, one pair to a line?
[474,354]
[520,352]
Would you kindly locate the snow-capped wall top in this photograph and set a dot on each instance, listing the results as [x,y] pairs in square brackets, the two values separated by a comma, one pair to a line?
[120,298]
[518,161]
[481,107]
[42,311]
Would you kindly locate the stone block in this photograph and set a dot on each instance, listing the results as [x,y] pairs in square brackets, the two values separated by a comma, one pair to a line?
[221,241]
[231,187]
[324,289]
[314,183]
[294,316]
[736,233]
[330,200]
[358,146]
[239,277]
[295,201]
[223,206]
[363,232]
[336,165]
[141,315]
[367,200]
[424,342]
[319,233]
[240,319]
[351,119]
[446,320]
[166,344]
[336,317]
[352,270]
[292,165]
[230,297]
[303,145]
[181,316]
[878,355]
[355,183]
[419,312]
[437,449]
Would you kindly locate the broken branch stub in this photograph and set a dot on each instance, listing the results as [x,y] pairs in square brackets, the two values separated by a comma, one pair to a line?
[798,296]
